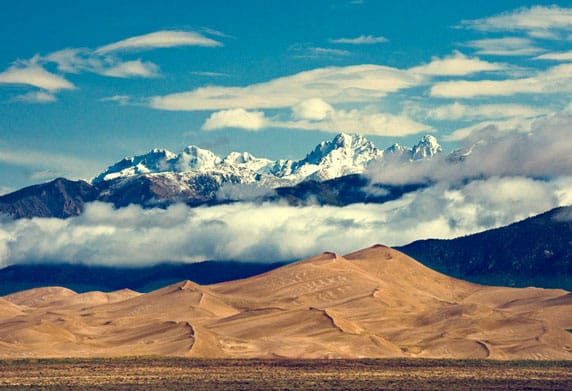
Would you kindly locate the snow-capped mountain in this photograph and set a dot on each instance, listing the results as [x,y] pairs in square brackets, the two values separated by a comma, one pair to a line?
[197,177]
[344,154]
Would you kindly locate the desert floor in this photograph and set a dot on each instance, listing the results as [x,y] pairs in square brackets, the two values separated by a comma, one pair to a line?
[203,374]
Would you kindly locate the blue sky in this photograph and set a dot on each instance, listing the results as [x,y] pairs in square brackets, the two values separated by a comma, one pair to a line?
[83,84]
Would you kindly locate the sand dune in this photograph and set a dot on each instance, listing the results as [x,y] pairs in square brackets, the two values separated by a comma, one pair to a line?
[376,302]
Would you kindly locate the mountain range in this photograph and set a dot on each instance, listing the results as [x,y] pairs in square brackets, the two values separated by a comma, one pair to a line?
[331,172]
[372,303]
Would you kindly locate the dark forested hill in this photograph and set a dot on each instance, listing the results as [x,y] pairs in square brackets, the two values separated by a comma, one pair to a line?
[533,252]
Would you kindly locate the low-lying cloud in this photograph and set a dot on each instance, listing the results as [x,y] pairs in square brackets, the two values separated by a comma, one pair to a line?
[544,152]
[272,232]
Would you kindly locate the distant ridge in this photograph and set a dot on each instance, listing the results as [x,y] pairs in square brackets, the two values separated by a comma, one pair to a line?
[534,252]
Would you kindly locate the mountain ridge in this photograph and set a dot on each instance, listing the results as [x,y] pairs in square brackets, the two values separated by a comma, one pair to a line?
[197,176]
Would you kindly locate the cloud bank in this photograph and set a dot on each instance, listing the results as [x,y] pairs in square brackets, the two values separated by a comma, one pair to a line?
[272,232]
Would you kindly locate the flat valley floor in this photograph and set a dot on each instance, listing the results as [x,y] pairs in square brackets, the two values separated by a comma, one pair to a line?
[204,374]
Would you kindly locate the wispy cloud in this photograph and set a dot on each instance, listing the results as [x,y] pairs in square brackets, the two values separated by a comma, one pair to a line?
[507,46]
[34,75]
[537,21]
[210,74]
[54,163]
[357,83]
[556,56]
[553,80]
[457,111]
[105,61]
[136,68]
[456,64]
[361,40]
[309,51]
[36,97]
[84,60]
[159,39]
[121,99]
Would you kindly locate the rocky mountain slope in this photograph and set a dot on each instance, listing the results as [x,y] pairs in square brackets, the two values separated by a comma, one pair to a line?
[533,252]
[375,302]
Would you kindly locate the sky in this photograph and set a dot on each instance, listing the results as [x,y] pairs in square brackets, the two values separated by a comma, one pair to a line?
[84,83]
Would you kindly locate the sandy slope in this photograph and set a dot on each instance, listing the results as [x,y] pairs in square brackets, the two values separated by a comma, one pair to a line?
[376,302]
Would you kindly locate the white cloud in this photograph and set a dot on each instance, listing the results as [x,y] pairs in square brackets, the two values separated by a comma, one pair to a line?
[553,80]
[515,124]
[361,40]
[34,75]
[235,118]
[312,109]
[456,64]
[210,74]
[556,56]
[272,232]
[358,83]
[136,68]
[507,46]
[459,111]
[84,60]
[316,114]
[36,97]
[159,39]
[541,152]
[362,121]
[537,21]
[121,99]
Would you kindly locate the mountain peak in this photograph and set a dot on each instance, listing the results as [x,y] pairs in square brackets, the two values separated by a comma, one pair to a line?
[428,146]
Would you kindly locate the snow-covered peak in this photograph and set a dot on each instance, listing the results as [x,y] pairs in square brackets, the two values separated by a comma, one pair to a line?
[344,154]
[155,160]
[196,159]
[238,158]
[427,147]
[343,146]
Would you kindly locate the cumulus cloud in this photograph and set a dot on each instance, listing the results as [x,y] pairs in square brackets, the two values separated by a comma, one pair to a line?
[537,21]
[313,109]
[543,152]
[456,64]
[357,83]
[361,40]
[34,75]
[159,39]
[236,118]
[553,80]
[507,46]
[316,114]
[272,232]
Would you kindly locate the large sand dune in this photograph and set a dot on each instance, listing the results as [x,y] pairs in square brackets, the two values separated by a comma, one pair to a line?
[375,302]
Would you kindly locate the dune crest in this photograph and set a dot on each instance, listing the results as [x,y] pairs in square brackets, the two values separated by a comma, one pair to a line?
[376,302]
